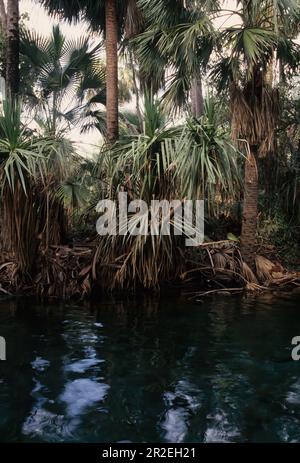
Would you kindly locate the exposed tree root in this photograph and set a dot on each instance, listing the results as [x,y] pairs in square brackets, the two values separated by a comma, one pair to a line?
[61,272]
[219,269]
[66,272]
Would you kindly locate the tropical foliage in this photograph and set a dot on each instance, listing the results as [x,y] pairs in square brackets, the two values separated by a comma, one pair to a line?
[27,166]
[194,161]
[194,101]
[67,78]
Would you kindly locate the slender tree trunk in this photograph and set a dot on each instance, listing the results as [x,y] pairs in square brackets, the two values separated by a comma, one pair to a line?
[3,18]
[12,48]
[249,225]
[137,91]
[3,29]
[54,113]
[197,97]
[3,24]
[112,99]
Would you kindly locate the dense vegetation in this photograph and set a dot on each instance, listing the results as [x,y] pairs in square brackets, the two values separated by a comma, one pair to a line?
[214,115]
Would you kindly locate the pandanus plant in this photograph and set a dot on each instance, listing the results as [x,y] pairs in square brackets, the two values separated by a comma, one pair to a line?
[27,195]
[163,163]
[262,35]
[21,160]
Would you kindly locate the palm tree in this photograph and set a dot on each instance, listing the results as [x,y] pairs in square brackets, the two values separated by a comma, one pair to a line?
[175,49]
[245,71]
[38,190]
[110,17]
[23,165]
[12,47]
[111,27]
[61,79]
[194,161]
[261,36]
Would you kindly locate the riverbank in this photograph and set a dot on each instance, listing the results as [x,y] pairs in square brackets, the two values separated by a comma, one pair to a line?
[78,272]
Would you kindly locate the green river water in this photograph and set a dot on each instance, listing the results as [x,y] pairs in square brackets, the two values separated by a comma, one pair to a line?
[151,370]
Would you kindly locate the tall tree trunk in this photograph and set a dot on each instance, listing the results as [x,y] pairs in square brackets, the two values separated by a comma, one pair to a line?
[112,99]
[197,97]
[3,18]
[12,48]
[136,90]
[3,29]
[3,25]
[249,225]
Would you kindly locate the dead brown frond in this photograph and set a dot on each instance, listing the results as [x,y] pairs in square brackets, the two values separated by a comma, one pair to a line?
[248,274]
[255,109]
[138,261]
[134,20]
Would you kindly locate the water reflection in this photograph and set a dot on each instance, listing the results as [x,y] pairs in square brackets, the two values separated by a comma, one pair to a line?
[81,394]
[150,371]
[181,404]
[56,411]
